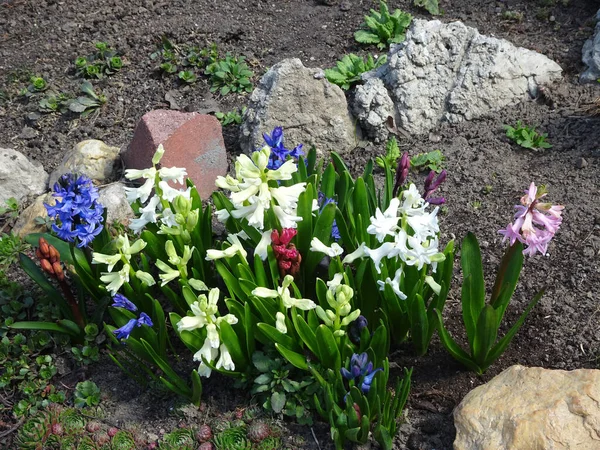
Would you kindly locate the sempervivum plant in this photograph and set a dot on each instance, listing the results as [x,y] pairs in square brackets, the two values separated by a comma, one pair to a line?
[204,434]
[232,439]
[258,431]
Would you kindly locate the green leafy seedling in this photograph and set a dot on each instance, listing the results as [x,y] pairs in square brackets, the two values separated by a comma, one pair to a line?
[86,394]
[229,75]
[231,117]
[383,28]
[431,6]
[526,136]
[349,69]
[88,104]
[187,76]
[433,160]
[392,153]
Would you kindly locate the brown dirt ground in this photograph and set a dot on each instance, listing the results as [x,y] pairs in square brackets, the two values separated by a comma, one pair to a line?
[45,37]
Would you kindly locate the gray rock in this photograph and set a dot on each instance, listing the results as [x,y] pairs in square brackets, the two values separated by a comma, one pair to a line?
[19,177]
[530,407]
[591,55]
[450,73]
[28,133]
[372,106]
[311,111]
[113,198]
[93,158]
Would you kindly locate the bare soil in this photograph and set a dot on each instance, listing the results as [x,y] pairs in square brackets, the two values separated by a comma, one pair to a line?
[487,172]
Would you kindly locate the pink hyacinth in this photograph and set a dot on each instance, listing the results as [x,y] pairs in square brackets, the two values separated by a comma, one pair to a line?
[535,222]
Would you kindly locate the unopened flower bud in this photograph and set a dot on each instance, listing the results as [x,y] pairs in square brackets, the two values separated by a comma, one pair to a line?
[54,255]
[57,267]
[44,248]
[46,266]
[182,205]
[160,151]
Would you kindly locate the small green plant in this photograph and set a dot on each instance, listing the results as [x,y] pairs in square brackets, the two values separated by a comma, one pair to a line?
[433,160]
[36,85]
[278,391]
[431,6]
[349,69]
[526,136]
[229,75]
[384,28]
[192,58]
[54,102]
[105,61]
[88,104]
[87,353]
[233,438]
[10,209]
[10,247]
[476,204]
[187,76]
[392,153]
[86,394]
[512,16]
[231,117]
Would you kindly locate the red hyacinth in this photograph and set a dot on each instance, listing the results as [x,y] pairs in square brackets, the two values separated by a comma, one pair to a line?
[288,258]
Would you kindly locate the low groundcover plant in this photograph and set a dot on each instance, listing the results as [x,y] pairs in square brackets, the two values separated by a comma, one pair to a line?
[316,277]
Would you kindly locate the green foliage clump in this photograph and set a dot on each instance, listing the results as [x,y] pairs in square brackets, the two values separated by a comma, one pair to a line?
[526,136]
[431,6]
[350,68]
[231,117]
[281,388]
[433,160]
[87,394]
[36,85]
[179,439]
[229,75]
[104,61]
[384,28]
[392,153]
[91,102]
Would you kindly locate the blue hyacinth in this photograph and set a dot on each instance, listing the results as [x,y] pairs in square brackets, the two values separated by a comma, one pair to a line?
[120,301]
[125,330]
[361,371]
[279,154]
[78,214]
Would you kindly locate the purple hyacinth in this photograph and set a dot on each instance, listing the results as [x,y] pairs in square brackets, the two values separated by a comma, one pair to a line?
[279,154]
[431,184]
[361,371]
[78,216]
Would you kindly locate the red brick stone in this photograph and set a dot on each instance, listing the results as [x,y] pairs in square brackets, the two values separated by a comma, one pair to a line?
[191,140]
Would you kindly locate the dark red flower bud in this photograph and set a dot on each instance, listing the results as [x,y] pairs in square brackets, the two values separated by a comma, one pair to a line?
[44,247]
[287,234]
[58,271]
[46,266]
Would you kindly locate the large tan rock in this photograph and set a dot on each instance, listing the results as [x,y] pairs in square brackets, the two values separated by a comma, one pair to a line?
[531,409]
[27,223]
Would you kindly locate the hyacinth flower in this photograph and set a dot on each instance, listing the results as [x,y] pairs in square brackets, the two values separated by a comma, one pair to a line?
[125,330]
[401,173]
[535,222]
[155,196]
[287,256]
[283,293]
[361,372]
[356,327]
[279,154]
[431,184]
[339,298]
[120,301]
[78,216]
[252,195]
[204,312]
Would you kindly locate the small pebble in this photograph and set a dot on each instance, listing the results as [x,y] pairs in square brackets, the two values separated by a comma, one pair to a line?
[581,163]
[28,133]
[345,6]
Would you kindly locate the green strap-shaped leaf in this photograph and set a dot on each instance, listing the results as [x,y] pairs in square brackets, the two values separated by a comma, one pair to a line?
[304,235]
[419,324]
[499,348]
[485,336]
[170,374]
[322,232]
[196,388]
[232,342]
[191,339]
[506,279]
[249,328]
[232,283]
[63,326]
[454,349]
[278,337]
[473,288]
[328,181]
[305,332]
[329,354]
[295,359]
